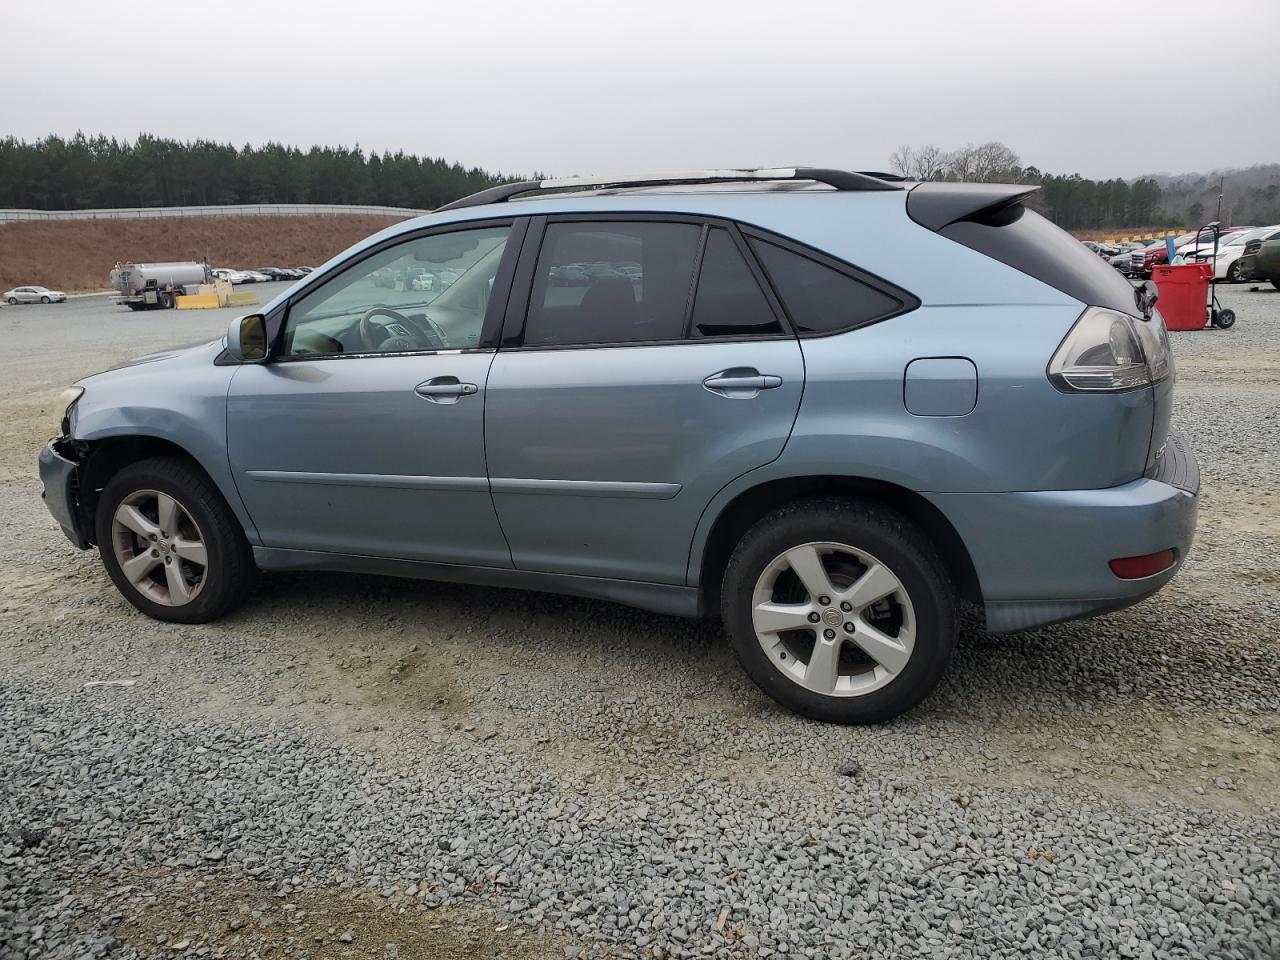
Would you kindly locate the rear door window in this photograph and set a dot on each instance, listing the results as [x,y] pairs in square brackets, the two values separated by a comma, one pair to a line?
[729,301]
[819,298]
[611,282]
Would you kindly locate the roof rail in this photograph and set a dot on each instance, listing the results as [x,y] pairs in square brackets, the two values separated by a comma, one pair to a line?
[840,179]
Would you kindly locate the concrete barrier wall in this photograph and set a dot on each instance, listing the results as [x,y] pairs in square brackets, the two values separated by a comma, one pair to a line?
[231,210]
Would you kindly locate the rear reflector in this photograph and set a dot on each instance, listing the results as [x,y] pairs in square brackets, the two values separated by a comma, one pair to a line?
[1147,565]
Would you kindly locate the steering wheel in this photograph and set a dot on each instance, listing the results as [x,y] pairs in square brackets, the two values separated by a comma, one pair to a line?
[401,328]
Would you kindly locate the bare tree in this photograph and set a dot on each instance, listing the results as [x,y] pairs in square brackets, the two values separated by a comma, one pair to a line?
[930,163]
[918,163]
[994,161]
[903,161]
[961,163]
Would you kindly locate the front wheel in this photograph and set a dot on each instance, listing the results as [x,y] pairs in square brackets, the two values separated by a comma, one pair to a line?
[1225,319]
[1233,273]
[839,610]
[170,543]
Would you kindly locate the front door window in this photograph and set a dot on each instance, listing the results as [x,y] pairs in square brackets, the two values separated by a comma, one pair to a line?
[426,294]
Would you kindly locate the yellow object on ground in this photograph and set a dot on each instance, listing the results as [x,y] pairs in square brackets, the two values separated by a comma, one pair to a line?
[241,299]
[199,301]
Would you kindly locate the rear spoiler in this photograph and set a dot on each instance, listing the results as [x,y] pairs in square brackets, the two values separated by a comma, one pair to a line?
[937,204]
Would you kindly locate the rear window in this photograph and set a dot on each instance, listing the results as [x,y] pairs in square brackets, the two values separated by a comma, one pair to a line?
[820,299]
[1028,242]
[612,282]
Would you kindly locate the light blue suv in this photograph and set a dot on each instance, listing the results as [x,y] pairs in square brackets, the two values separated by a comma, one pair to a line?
[829,406]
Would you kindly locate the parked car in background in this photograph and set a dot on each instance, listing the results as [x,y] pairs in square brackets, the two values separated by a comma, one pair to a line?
[1157,253]
[1226,265]
[231,276]
[1120,260]
[687,444]
[1143,259]
[1200,249]
[33,295]
[275,273]
[1261,261]
[257,277]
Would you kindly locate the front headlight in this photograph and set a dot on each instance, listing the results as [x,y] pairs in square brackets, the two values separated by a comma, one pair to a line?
[1109,351]
[67,400]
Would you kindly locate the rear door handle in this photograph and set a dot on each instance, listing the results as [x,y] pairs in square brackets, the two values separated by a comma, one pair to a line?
[741,382]
[444,389]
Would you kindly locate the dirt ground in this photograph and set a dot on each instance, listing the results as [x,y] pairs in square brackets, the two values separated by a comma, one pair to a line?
[75,255]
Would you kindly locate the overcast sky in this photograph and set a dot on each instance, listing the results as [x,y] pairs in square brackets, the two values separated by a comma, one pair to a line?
[1115,88]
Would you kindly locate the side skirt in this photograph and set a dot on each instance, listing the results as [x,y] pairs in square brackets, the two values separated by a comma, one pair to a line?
[665,598]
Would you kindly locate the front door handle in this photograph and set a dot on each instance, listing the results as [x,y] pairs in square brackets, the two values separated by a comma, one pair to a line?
[741,382]
[444,389]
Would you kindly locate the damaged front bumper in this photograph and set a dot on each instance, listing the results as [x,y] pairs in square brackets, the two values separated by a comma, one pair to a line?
[60,475]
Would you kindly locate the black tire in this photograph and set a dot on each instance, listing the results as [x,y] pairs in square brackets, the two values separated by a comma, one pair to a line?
[44,300]
[1233,273]
[166,301]
[230,569]
[885,535]
[1225,319]
[13,301]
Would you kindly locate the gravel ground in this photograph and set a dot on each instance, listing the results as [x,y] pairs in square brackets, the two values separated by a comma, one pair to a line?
[353,767]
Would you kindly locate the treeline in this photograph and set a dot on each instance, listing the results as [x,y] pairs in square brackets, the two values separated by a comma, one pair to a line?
[86,172]
[1078,203]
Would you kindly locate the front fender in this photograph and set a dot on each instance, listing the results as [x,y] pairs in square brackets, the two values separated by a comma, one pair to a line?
[181,400]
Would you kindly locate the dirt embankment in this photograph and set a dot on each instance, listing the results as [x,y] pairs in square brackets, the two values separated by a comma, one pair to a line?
[76,255]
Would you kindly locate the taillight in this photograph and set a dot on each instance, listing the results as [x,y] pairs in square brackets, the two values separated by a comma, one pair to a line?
[1109,351]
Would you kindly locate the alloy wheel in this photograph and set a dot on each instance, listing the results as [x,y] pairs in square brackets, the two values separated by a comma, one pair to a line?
[833,619]
[159,547]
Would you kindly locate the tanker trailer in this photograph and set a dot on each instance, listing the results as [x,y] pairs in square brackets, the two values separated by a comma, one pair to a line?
[151,286]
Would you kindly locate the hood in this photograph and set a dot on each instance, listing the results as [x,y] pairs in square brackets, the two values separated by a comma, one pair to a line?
[202,352]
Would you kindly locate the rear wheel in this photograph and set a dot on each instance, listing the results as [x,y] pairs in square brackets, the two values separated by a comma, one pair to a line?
[165,301]
[44,300]
[1233,273]
[841,611]
[171,544]
[13,301]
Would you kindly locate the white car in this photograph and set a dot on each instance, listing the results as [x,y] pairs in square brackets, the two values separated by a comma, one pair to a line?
[33,295]
[231,276]
[255,277]
[1226,264]
[1230,249]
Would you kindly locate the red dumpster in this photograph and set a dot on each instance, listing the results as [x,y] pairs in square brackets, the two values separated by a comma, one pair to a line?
[1184,295]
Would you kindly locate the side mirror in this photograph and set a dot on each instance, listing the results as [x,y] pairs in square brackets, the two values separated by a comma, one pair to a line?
[1146,294]
[247,338]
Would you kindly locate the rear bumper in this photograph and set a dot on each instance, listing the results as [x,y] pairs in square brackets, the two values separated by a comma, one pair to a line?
[60,477]
[1044,556]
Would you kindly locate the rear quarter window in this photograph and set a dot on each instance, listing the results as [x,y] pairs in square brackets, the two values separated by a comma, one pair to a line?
[821,298]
